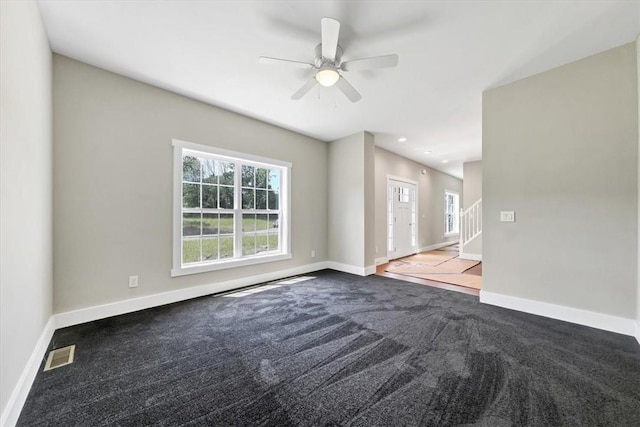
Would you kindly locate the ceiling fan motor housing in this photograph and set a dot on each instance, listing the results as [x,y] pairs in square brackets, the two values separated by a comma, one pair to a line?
[321,61]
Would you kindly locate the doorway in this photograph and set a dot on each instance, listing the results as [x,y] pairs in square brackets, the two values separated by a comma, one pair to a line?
[402,214]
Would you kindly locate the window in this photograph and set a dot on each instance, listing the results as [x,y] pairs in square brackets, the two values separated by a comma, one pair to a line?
[451,212]
[403,195]
[230,209]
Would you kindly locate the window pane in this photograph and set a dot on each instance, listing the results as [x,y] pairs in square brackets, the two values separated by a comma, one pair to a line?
[274,221]
[210,249]
[226,171]
[190,250]
[248,176]
[274,179]
[262,243]
[248,244]
[212,216]
[404,195]
[210,196]
[210,224]
[261,199]
[226,247]
[273,242]
[248,201]
[452,204]
[190,195]
[209,171]
[274,200]
[190,169]
[191,224]
[226,197]
[261,178]
[226,223]
[262,222]
[248,222]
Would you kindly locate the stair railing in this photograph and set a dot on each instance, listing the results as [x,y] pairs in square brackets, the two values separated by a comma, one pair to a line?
[470,223]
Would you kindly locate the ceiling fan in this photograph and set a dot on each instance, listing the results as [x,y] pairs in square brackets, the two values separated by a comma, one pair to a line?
[328,63]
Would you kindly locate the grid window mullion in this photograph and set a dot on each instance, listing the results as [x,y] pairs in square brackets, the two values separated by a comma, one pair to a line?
[213,225]
[237,206]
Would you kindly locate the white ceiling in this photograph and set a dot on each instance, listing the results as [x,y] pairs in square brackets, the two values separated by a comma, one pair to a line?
[450,52]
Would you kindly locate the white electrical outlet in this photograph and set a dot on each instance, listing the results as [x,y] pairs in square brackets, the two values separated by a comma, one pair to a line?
[507,216]
[313,254]
[133,281]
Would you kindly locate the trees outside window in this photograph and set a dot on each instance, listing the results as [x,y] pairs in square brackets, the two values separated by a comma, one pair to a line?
[231,208]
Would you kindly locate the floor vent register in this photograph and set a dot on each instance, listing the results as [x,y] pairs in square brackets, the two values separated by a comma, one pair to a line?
[60,357]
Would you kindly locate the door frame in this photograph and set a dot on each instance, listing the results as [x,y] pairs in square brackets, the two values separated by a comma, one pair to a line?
[386,207]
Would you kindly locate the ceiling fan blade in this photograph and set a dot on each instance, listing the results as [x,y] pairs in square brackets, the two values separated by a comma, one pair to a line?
[349,91]
[304,89]
[386,61]
[330,33]
[269,60]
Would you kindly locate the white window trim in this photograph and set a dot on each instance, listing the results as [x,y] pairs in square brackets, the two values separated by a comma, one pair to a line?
[285,202]
[456,213]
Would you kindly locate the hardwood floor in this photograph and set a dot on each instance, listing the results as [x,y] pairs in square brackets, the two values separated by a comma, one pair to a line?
[477,270]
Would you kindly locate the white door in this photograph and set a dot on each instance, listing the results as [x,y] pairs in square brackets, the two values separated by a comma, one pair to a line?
[401,219]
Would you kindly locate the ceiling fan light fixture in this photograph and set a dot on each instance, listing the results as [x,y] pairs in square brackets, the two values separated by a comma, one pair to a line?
[327,76]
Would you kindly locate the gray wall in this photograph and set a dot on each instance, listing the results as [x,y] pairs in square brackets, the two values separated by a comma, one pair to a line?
[561,150]
[113,184]
[25,206]
[369,201]
[472,190]
[471,183]
[431,188]
[350,198]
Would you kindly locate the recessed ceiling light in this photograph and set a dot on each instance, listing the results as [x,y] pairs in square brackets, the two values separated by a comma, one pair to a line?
[403,139]
[445,161]
[427,152]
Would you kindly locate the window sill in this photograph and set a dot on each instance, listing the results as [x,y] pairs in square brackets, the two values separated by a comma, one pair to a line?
[241,262]
[457,233]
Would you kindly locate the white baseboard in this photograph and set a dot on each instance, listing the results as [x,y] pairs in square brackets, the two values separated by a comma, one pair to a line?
[351,269]
[70,318]
[472,257]
[21,391]
[438,246]
[382,260]
[592,319]
[638,331]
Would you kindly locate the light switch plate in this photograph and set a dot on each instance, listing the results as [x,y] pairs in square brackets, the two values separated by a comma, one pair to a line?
[133,281]
[507,216]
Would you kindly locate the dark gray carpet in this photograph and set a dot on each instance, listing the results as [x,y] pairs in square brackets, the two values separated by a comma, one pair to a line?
[339,350]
